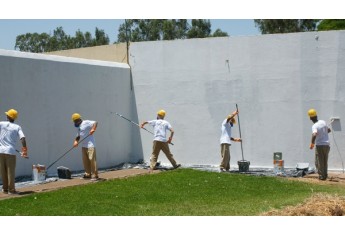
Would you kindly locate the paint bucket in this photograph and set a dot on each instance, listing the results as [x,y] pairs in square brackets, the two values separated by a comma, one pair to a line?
[277,156]
[278,166]
[39,173]
[243,166]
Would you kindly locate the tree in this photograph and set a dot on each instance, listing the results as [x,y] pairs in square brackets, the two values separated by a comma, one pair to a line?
[219,33]
[38,43]
[140,30]
[32,42]
[331,25]
[59,41]
[200,29]
[175,29]
[101,38]
[279,26]
[152,30]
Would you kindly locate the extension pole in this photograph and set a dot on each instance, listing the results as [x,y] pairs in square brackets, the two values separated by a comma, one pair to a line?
[133,122]
[239,127]
[66,152]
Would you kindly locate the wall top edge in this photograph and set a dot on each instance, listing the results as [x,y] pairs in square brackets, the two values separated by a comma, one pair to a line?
[292,34]
[38,56]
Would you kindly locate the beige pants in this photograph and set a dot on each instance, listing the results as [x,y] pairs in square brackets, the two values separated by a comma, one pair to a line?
[225,152]
[90,161]
[8,174]
[156,148]
[321,160]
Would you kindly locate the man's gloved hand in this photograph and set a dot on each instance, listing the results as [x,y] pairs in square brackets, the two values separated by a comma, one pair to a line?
[311,146]
[24,152]
[75,144]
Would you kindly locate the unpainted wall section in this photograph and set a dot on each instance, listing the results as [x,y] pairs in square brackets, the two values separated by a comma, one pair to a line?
[274,79]
[113,52]
[47,90]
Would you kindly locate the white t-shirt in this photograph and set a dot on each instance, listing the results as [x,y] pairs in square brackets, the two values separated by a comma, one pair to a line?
[226,132]
[159,129]
[10,133]
[83,131]
[321,130]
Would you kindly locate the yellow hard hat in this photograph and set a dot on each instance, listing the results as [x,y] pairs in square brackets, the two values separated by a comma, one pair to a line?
[161,113]
[76,116]
[312,113]
[13,114]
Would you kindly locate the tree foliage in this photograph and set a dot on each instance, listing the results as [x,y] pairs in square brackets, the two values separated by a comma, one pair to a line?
[34,42]
[285,25]
[135,30]
[153,30]
[219,33]
[329,24]
[200,29]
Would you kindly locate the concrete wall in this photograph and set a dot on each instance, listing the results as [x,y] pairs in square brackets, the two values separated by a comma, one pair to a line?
[274,79]
[46,90]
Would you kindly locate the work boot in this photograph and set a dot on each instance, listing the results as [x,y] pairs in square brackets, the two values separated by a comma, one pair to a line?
[177,166]
[322,178]
[95,178]
[85,176]
[13,192]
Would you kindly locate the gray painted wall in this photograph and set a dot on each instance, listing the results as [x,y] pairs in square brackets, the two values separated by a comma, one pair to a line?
[274,79]
[47,90]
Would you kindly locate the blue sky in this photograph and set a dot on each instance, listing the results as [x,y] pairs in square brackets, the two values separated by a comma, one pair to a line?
[10,28]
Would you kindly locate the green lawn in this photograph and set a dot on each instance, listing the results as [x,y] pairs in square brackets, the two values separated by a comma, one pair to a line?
[182,192]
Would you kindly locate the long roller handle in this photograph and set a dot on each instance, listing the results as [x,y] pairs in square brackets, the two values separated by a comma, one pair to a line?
[133,123]
[239,127]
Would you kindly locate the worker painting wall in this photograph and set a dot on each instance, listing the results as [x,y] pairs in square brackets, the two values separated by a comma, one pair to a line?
[46,90]
[274,79]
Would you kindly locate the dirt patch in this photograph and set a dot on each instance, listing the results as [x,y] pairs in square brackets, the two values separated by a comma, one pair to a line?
[333,179]
[317,205]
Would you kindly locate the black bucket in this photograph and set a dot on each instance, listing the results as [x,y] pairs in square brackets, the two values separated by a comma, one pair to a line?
[243,166]
[64,172]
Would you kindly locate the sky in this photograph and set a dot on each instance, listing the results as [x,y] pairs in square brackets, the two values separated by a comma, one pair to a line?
[11,28]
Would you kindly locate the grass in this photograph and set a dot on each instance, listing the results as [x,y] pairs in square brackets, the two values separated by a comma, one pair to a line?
[183,192]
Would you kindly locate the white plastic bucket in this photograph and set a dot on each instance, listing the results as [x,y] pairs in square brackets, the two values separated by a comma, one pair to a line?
[38,173]
[278,166]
